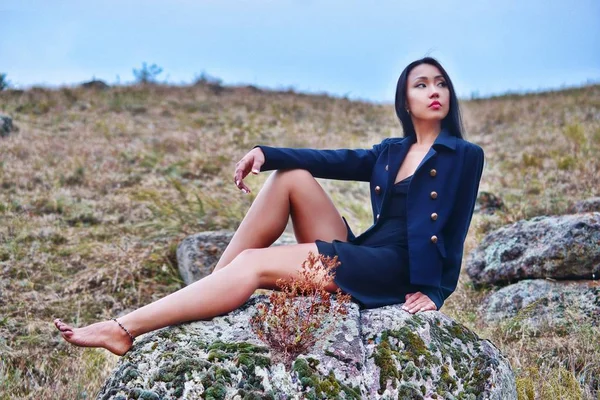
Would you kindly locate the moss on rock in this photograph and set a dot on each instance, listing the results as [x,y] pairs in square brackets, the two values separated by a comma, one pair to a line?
[315,386]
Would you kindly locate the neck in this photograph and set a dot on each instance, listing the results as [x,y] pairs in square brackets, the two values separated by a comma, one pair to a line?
[426,131]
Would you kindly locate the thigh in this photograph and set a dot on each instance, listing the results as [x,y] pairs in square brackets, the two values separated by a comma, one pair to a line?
[279,262]
[314,215]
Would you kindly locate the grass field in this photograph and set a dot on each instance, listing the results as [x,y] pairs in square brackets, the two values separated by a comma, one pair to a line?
[98,187]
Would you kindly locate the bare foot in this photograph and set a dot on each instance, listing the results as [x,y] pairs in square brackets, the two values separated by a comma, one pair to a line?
[107,334]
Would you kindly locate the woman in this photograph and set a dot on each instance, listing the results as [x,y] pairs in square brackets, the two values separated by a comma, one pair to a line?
[423,190]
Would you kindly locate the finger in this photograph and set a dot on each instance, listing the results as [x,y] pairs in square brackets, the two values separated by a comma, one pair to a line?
[239,176]
[256,167]
[422,306]
[244,188]
[411,298]
[418,305]
[428,307]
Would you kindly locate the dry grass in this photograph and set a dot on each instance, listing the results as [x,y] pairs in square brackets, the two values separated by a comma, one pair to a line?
[98,187]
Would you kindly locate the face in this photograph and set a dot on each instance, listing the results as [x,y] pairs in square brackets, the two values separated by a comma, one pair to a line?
[427,93]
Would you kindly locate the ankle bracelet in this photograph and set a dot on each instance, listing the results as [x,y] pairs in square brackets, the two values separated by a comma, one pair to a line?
[125,329]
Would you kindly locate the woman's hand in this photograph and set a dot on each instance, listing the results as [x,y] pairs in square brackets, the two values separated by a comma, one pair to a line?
[250,162]
[418,301]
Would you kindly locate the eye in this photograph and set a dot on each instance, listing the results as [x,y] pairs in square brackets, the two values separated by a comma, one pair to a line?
[420,85]
[442,84]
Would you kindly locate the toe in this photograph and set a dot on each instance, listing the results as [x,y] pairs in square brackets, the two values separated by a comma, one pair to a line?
[66,335]
[61,326]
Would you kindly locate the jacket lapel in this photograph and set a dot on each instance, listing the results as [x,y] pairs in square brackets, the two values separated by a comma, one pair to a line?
[431,153]
[396,155]
[398,152]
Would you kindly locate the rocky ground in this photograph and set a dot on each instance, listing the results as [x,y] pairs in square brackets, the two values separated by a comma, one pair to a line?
[98,186]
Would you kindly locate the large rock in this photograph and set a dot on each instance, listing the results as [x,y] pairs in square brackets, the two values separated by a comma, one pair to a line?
[587,205]
[6,125]
[383,353]
[538,304]
[198,254]
[564,247]
[95,84]
[488,203]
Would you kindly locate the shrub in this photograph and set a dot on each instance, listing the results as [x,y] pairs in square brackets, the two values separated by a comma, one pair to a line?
[302,312]
[147,74]
[4,83]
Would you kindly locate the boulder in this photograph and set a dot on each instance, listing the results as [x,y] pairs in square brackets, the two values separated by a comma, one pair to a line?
[198,254]
[6,125]
[95,84]
[383,353]
[536,304]
[488,203]
[588,205]
[562,247]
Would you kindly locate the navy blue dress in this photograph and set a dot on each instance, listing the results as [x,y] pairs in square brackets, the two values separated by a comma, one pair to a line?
[374,268]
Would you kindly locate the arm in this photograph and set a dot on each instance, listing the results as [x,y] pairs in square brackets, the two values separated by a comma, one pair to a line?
[455,231]
[344,164]
[457,227]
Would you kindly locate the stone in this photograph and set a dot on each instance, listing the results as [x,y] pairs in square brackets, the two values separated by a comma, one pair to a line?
[538,304]
[383,353]
[95,84]
[198,254]
[558,247]
[488,203]
[6,125]
[588,205]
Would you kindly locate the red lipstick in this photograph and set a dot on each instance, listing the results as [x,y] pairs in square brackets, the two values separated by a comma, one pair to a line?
[435,104]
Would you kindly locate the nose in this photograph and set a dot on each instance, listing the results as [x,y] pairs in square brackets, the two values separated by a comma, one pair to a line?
[434,93]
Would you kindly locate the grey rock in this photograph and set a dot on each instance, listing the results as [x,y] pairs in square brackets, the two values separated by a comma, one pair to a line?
[95,84]
[6,125]
[82,105]
[538,304]
[562,247]
[587,205]
[488,203]
[383,353]
[198,254]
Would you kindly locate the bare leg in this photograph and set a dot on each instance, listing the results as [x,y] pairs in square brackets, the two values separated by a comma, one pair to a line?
[240,271]
[219,293]
[285,193]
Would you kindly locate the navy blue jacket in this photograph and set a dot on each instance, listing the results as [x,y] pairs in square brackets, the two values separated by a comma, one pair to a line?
[440,200]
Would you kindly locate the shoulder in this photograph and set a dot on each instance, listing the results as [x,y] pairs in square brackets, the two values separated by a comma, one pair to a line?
[393,140]
[469,148]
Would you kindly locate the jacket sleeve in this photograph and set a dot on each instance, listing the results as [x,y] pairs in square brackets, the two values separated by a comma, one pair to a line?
[455,232]
[343,164]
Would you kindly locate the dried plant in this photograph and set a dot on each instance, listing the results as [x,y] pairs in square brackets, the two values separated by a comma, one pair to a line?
[302,311]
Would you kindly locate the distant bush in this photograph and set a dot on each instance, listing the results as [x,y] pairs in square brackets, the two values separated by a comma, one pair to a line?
[206,79]
[147,74]
[4,83]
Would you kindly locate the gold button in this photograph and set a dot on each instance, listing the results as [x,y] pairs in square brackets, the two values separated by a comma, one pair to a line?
[433,172]
[434,216]
[377,216]
[433,195]
[434,239]
[387,167]
[377,189]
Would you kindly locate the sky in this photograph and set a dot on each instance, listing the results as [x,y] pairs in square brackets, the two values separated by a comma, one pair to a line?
[353,48]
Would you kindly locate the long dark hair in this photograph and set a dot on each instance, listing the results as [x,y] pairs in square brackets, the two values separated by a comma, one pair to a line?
[452,122]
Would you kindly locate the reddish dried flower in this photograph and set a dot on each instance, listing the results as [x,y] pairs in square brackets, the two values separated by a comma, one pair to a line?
[302,311]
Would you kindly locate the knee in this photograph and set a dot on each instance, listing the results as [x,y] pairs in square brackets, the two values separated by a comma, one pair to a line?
[252,261]
[248,259]
[292,175]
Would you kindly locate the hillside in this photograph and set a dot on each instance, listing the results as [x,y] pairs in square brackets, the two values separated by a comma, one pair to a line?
[97,187]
